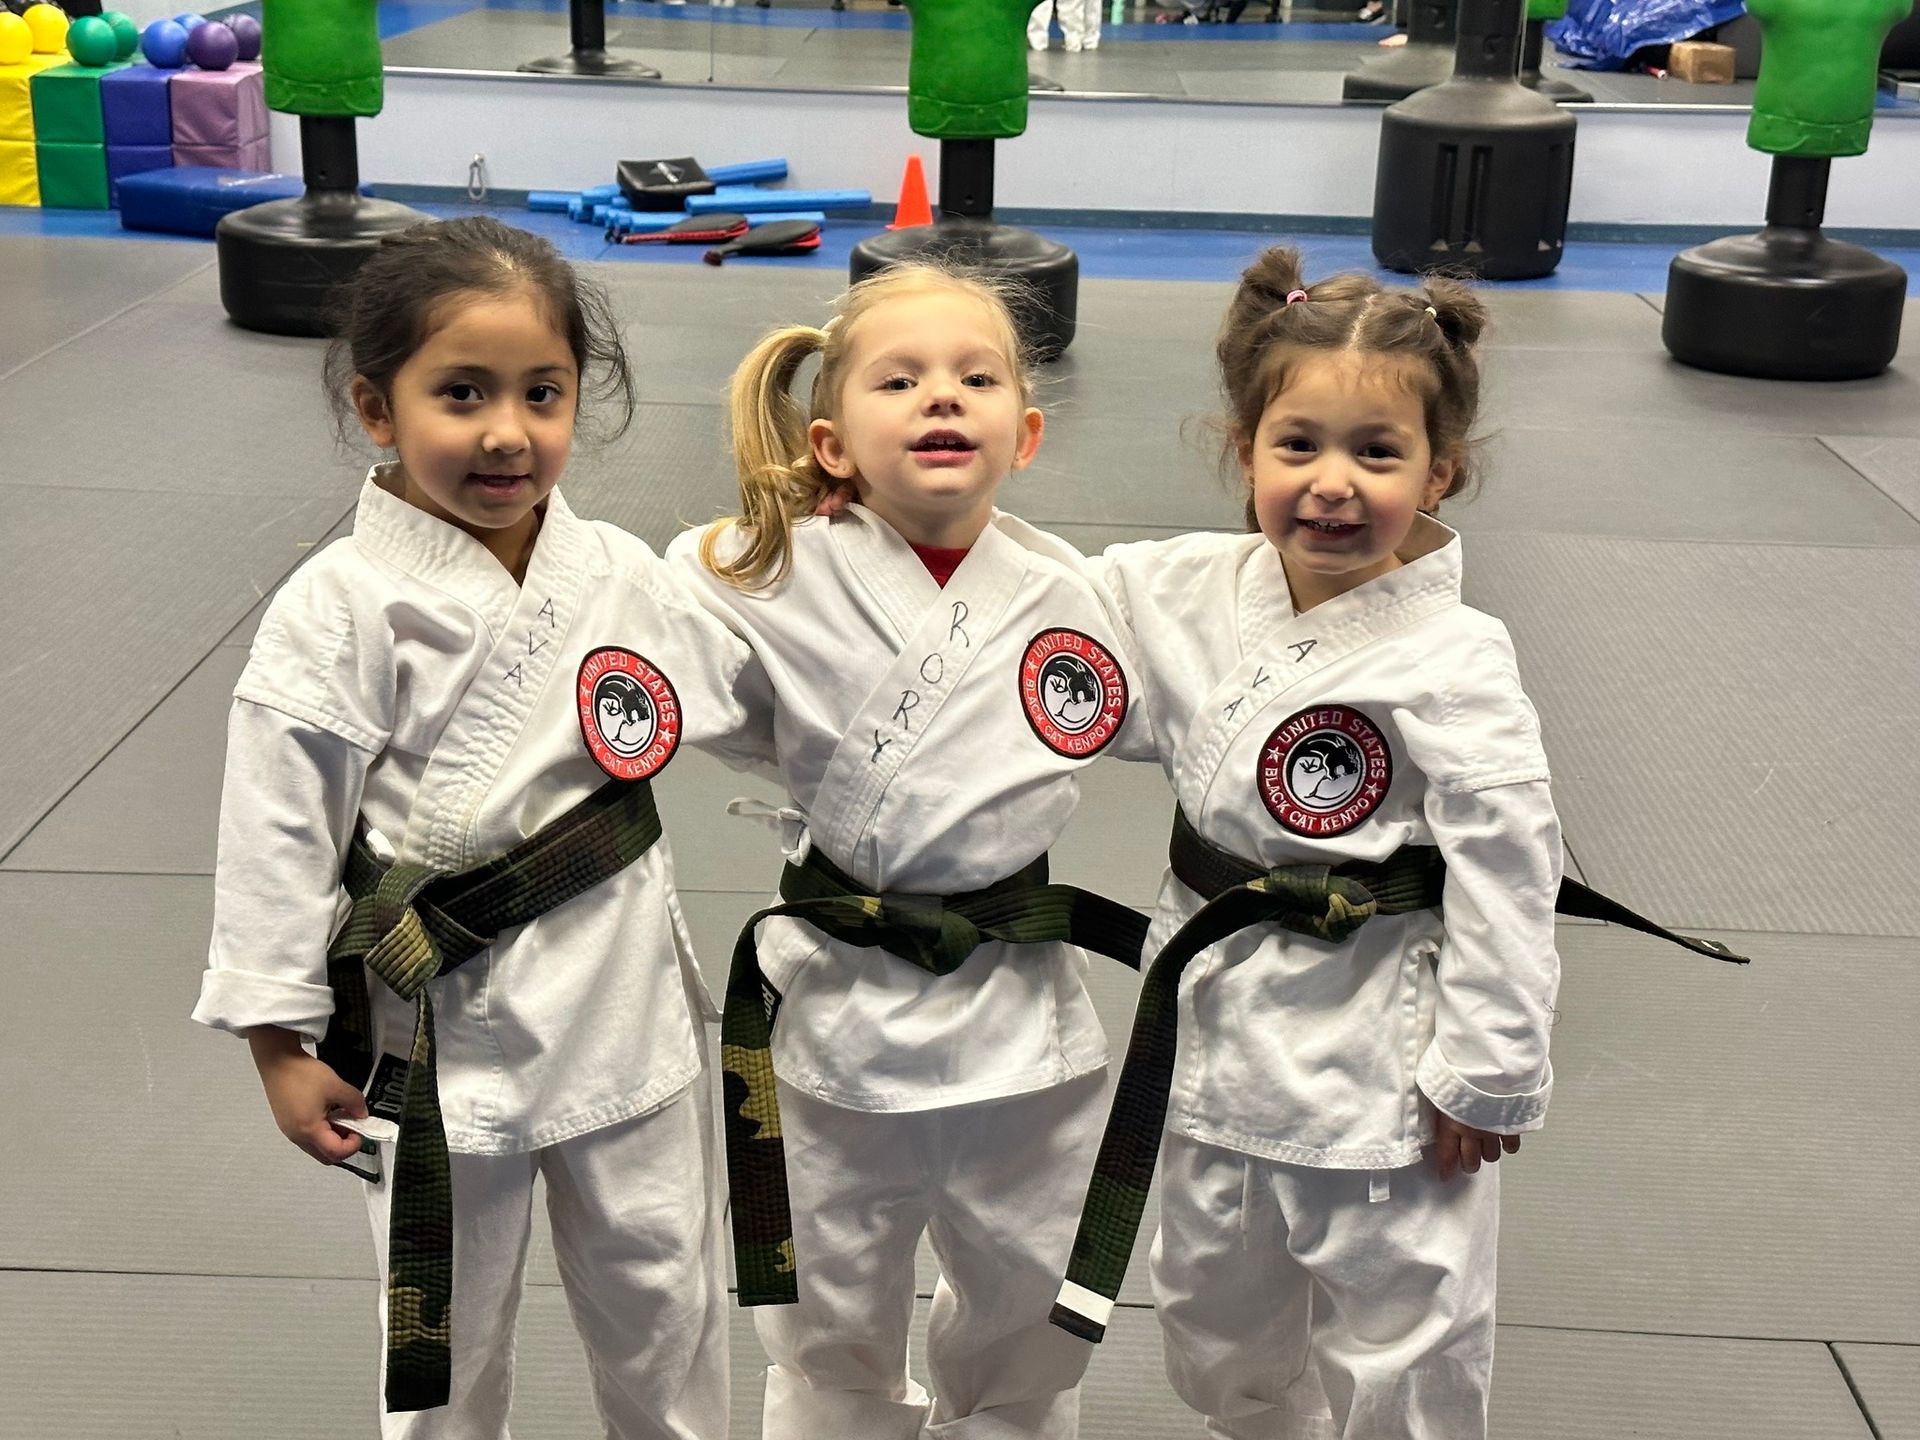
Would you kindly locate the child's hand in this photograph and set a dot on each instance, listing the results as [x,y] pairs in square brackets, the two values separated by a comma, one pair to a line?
[303,1093]
[1461,1147]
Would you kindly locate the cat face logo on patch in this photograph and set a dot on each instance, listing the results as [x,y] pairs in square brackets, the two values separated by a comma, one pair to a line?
[629,715]
[1324,771]
[1074,692]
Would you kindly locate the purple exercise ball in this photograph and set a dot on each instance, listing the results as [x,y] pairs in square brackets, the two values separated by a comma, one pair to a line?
[164,43]
[246,30]
[212,46]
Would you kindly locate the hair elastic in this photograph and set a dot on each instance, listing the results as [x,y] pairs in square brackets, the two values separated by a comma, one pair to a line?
[1435,314]
[1294,297]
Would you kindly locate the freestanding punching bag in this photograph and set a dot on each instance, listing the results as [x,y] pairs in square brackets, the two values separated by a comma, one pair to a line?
[1476,173]
[1788,303]
[1533,45]
[1426,59]
[587,29]
[280,262]
[967,88]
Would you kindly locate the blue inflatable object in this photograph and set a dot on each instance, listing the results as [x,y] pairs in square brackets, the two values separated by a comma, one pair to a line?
[164,43]
[748,172]
[187,19]
[760,202]
[1604,34]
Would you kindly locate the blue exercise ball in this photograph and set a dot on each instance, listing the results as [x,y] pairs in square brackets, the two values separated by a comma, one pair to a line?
[164,43]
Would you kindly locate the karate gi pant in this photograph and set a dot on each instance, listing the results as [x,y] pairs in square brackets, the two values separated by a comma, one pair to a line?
[1079,23]
[1294,1308]
[996,1187]
[639,1234]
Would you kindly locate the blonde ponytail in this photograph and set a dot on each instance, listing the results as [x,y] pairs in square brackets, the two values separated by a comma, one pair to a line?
[780,481]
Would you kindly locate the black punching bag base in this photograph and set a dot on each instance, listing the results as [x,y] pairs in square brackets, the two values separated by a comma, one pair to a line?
[1400,73]
[1049,272]
[604,64]
[1786,304]
[280,262]
[1558,91]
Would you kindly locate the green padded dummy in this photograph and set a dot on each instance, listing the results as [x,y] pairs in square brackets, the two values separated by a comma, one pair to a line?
[322,57]
[968,75]
[1819,63]
[1546,9]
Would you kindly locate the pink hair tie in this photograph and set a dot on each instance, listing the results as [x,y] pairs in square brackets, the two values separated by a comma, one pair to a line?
[1294,297]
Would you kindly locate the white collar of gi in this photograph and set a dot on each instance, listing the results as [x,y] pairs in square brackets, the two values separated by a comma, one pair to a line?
[445,555]
[1429,569]
[894,575]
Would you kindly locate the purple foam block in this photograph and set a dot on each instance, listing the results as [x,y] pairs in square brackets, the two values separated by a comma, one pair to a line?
[221,108]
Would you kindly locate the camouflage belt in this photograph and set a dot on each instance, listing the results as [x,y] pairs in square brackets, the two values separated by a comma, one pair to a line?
[936,933]
[408,924]
[1326,902]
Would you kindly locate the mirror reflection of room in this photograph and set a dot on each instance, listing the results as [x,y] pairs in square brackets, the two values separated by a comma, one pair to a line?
[1704,54]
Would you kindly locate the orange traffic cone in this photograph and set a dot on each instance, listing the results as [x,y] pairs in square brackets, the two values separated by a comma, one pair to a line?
[913,208]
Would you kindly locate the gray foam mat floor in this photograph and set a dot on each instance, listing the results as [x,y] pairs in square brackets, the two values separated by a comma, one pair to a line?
[1888,1379]
[1708,581]
[229,1358]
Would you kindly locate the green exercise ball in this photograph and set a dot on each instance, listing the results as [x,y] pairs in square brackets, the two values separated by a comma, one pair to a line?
[91,41]
[126,34]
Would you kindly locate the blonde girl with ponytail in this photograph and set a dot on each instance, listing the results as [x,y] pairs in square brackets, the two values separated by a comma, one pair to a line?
[941,672]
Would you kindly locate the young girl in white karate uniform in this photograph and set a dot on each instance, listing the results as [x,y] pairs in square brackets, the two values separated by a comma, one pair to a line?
[474,662]
[1329,1209]
[941,672]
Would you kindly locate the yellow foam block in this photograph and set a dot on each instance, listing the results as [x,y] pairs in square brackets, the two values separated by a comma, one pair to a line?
[19,173]
[16,95]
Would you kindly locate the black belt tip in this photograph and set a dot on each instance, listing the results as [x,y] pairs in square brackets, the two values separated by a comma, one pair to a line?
[1074,1323]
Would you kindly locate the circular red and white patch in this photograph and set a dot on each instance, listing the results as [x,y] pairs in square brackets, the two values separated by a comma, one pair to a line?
[1324,770]
[1073,691]
[629,715]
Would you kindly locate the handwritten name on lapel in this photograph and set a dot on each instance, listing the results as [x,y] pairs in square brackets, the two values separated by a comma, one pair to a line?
[536,642]
[933,668]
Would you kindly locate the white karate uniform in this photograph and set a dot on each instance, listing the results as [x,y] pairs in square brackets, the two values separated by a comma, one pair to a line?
[969,1103]
[1079,23]
[1389,716]
[402,675]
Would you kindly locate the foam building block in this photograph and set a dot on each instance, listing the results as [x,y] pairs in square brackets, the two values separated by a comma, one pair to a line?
[16,95]
[191,201]
[19,173]
[72,177]
[135,106]
[220,118]
[125,160]
[66,105]
[255,155]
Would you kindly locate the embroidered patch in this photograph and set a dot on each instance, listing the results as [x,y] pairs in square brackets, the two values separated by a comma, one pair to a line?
[1073,691]
[629,715]
[1324,771]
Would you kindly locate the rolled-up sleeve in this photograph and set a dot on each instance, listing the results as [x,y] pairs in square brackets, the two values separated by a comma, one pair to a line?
[287,811]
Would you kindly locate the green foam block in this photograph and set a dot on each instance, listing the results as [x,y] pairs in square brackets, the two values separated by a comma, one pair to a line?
[73,177]
[66,104]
